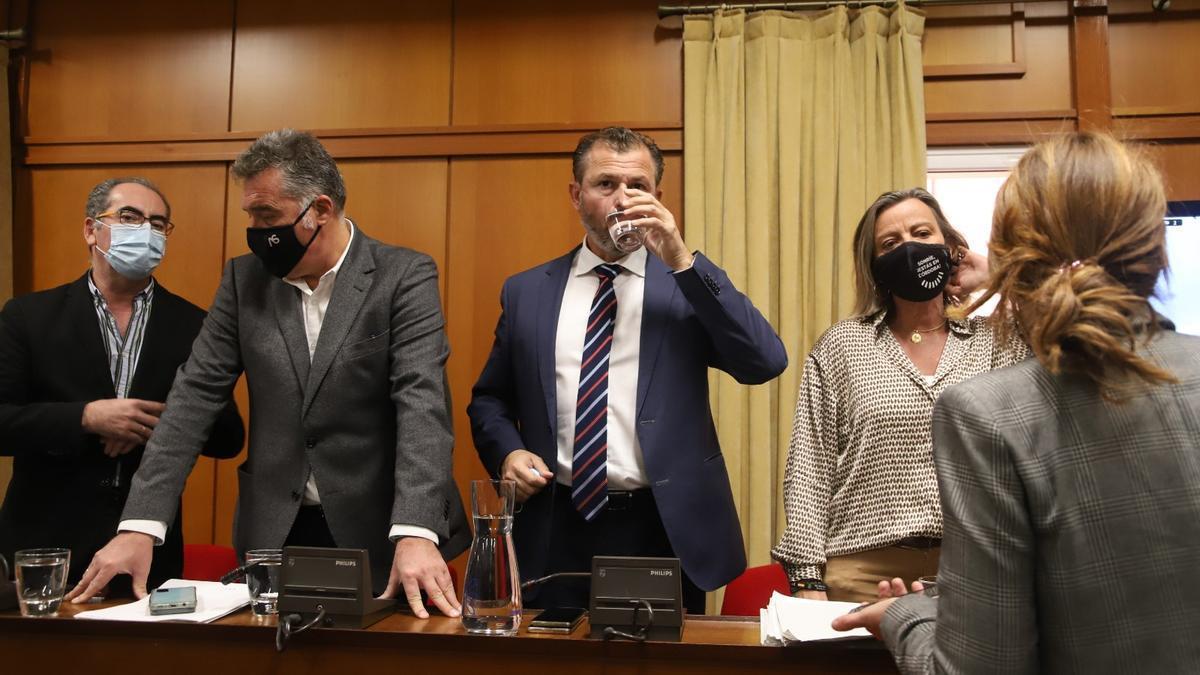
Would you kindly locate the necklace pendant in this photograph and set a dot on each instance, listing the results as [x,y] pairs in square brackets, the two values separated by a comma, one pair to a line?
[915,338]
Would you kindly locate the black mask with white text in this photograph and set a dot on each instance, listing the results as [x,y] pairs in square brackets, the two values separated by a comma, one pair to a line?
[914,271]
[278,248]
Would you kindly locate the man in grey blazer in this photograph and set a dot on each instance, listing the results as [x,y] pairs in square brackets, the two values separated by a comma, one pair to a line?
[343,345]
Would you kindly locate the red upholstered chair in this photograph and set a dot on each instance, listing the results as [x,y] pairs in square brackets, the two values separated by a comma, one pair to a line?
[751,591]
[207,562]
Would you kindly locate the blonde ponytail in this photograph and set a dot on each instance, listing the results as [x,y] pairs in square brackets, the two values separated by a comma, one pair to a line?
[1078,244]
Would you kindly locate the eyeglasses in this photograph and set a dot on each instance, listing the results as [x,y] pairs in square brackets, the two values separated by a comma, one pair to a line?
[131,217]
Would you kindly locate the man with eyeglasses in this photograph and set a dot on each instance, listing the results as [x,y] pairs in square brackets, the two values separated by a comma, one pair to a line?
[343,345]
[84,370]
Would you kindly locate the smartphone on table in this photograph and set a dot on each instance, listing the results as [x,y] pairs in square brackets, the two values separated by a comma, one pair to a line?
[178,600]
[557,620]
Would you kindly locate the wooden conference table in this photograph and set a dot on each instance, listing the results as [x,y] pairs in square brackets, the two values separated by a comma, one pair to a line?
[243,643]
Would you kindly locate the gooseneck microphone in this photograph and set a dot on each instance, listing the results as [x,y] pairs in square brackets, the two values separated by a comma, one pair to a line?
[549,577]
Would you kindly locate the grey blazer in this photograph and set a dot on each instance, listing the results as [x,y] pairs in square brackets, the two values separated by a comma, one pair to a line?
[369,416]
[1072,526]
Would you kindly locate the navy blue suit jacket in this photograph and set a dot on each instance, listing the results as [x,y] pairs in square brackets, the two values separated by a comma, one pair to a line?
[690,321]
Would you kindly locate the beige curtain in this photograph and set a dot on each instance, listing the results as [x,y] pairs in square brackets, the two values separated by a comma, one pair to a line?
[793,124]
[6,203]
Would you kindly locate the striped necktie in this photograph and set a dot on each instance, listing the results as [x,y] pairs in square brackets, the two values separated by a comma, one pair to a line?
[589,463]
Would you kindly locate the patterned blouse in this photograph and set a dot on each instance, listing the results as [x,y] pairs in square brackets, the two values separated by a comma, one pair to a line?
[860,470]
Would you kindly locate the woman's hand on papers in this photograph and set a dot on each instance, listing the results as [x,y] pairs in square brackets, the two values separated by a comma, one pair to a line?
[870,615]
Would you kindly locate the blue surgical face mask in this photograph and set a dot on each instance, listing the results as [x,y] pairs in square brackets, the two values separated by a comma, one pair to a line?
[134,251]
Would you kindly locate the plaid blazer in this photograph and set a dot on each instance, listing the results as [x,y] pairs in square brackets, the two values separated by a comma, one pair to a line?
[1072,526]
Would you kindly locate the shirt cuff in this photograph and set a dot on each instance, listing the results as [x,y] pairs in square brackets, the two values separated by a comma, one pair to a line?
[399,531]
[154,528]
[798,573]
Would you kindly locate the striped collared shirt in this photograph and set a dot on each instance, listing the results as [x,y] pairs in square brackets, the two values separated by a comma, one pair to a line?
[123,352]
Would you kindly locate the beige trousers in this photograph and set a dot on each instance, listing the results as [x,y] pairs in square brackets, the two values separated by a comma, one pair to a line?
[855,577]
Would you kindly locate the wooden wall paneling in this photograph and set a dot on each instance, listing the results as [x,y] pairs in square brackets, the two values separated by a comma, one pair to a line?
[412,142]
[1181,171]
[401,202]
[364,64]
[1154,57]
[943,129]
[506,215]
[547,61]
[1090,65]
[974,41]
[55,252]
[191,268]
[1165,126]
[1045,85]
[130,68]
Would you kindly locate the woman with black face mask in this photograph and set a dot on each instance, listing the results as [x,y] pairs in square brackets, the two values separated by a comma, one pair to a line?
[860,492]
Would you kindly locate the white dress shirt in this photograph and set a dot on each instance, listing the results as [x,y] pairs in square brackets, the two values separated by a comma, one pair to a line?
[313,304]
[626,470]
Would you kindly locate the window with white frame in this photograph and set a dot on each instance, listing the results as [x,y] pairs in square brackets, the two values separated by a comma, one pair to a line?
[965,182]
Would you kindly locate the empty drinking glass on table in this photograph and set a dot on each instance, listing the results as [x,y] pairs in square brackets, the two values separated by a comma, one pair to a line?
[41,579]
[262,579]
[625,235]
[492,589]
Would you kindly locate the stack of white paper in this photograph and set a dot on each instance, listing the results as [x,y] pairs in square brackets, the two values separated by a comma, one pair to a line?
[213,601]
[787,620]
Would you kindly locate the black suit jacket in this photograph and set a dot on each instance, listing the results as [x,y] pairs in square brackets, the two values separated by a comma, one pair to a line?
[65,492]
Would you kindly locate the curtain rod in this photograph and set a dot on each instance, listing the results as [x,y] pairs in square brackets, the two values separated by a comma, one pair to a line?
[14,37]
[678,10]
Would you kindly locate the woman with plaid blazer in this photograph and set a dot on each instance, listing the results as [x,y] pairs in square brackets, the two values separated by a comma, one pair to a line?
[1071,483]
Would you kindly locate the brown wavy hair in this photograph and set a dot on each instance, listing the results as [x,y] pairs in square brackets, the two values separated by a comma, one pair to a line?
[1078,244]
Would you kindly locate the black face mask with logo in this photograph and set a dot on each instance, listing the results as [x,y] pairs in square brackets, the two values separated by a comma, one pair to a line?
[914,271]
[278,248]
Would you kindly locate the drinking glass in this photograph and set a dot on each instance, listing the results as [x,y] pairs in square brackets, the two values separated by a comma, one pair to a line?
[262,578]
[625,235]
[41,579]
